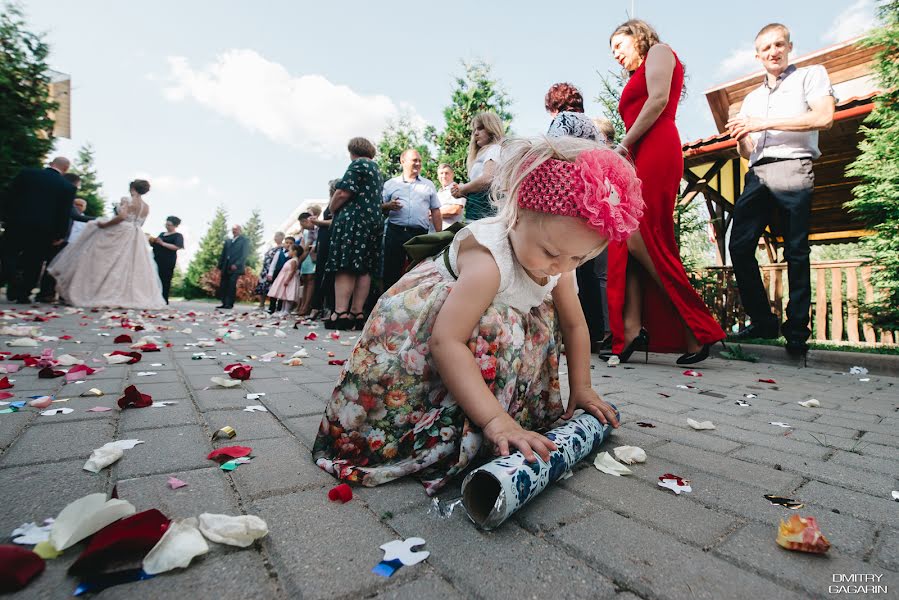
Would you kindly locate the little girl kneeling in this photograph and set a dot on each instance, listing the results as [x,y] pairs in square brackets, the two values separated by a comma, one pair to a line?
[466,346]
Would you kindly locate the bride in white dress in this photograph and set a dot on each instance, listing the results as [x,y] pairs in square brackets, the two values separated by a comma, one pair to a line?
[110,263]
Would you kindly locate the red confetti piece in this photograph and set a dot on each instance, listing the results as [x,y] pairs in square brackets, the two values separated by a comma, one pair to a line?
[5,395]
[767,381]
[48,373]
[134,399]
[341,493]
[311,336]
[692,373]
[149,348]
[65,337]
[135,356]
[5,384]
[679,480]
[227,453]
[334,335]
[122,339]
[337,361]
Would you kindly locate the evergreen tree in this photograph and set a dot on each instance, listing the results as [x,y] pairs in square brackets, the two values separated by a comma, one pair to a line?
[876,199]
[26,128]
[254,230]
[608,96]
[476,91]
[207,257]
[399,136]
[90,185]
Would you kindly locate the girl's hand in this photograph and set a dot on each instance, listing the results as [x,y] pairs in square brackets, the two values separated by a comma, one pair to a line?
[505,433]
[590,401]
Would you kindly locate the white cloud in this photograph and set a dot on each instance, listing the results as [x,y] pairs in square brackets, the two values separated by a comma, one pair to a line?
[308,112]
[741,61]
[855,20]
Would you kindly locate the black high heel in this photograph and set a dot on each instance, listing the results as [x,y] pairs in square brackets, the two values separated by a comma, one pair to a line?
[358,320]
[691,358]
[641,342]
[341,321]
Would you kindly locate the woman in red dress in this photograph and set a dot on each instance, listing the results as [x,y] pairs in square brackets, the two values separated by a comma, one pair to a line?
[652,305]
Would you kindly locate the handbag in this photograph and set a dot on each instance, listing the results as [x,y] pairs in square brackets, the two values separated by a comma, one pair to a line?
[431,244]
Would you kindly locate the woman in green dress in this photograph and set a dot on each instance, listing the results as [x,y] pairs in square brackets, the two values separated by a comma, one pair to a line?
[487,132]
[356,231]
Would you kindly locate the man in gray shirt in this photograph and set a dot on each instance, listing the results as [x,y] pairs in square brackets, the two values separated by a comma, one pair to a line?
[777,131]
[413,205]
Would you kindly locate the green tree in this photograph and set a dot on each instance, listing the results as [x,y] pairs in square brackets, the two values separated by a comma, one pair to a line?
[26,128]
[608,96]
[207,257]
[399,136]
[254,229]
[876,199]
[476,91]
[90,185]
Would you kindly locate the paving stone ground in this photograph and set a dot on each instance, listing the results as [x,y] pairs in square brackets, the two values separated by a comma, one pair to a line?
[591,536]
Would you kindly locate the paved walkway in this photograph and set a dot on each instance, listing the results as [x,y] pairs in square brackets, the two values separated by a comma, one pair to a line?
[592,536]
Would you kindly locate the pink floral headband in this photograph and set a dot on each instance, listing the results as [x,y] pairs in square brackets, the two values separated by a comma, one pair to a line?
[599,186]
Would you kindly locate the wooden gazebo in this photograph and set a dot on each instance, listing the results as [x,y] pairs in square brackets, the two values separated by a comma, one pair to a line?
[714,169]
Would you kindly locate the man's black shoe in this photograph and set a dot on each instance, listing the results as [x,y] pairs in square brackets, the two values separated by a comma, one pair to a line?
[796,347]
[768,332]
[23,301]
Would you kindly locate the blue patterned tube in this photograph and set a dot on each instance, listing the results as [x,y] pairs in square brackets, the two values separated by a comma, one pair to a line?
[493,492]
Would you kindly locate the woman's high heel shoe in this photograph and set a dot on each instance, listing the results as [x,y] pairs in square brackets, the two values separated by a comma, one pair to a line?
[641,342]
[691,358]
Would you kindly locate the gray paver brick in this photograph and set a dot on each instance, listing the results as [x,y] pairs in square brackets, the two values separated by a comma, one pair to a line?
[207,490]
[57,441]
[857,461]
[880,509]
[865,481]
[280,465]
[249,425]
[646,502]
[173,415]
[656,565]
[724,466]
[887,553]
[754,546]
[501,556]
[164,450]
[301,525]
[427,586]
[295,404]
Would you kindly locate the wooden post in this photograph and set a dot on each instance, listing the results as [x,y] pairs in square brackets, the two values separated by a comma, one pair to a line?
[821,306]
[852,304]
[836,304]
[867,328]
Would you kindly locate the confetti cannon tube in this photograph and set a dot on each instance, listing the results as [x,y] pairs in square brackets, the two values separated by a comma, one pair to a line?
[495,491]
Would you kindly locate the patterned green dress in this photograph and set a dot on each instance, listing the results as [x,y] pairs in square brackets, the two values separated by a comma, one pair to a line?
[359,225]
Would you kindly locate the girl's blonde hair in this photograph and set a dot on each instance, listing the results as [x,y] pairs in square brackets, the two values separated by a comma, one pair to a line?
[491,122]
[519,157]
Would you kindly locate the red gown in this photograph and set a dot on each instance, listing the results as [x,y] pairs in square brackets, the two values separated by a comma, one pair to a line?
[660,166]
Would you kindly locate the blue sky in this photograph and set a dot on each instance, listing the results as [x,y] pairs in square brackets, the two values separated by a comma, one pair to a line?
[250,105]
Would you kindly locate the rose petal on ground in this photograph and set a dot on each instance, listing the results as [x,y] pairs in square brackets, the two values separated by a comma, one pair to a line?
[605,463]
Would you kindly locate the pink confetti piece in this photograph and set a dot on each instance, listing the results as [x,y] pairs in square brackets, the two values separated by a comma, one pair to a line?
[175,483]
[99,409]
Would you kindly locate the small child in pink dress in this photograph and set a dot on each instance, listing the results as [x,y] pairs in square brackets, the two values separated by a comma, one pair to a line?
[287,285]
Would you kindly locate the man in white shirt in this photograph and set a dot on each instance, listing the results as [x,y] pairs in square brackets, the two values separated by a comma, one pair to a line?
[451,209]
[777,131]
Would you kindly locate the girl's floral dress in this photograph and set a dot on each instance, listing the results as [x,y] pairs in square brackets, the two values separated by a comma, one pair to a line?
[391,414]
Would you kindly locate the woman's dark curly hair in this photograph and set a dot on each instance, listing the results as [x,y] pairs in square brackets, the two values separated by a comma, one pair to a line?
[564,97]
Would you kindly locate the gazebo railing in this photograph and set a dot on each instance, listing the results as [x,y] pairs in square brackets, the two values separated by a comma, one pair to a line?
[838,286]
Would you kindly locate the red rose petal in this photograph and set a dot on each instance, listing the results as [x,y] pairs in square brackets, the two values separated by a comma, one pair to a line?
[311,336]
[122,339]
[340,493]
[133,398]
[239,371]
[5,384]
[48,373]
[767,381]
[337,361]
[131,538]
[135,356]
[18,566]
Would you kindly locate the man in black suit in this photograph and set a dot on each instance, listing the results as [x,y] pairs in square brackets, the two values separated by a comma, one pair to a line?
[47,291]
[38,209]
[232,265]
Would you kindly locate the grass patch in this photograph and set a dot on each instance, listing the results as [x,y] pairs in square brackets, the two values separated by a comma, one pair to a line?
[736,352]
[888,350]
